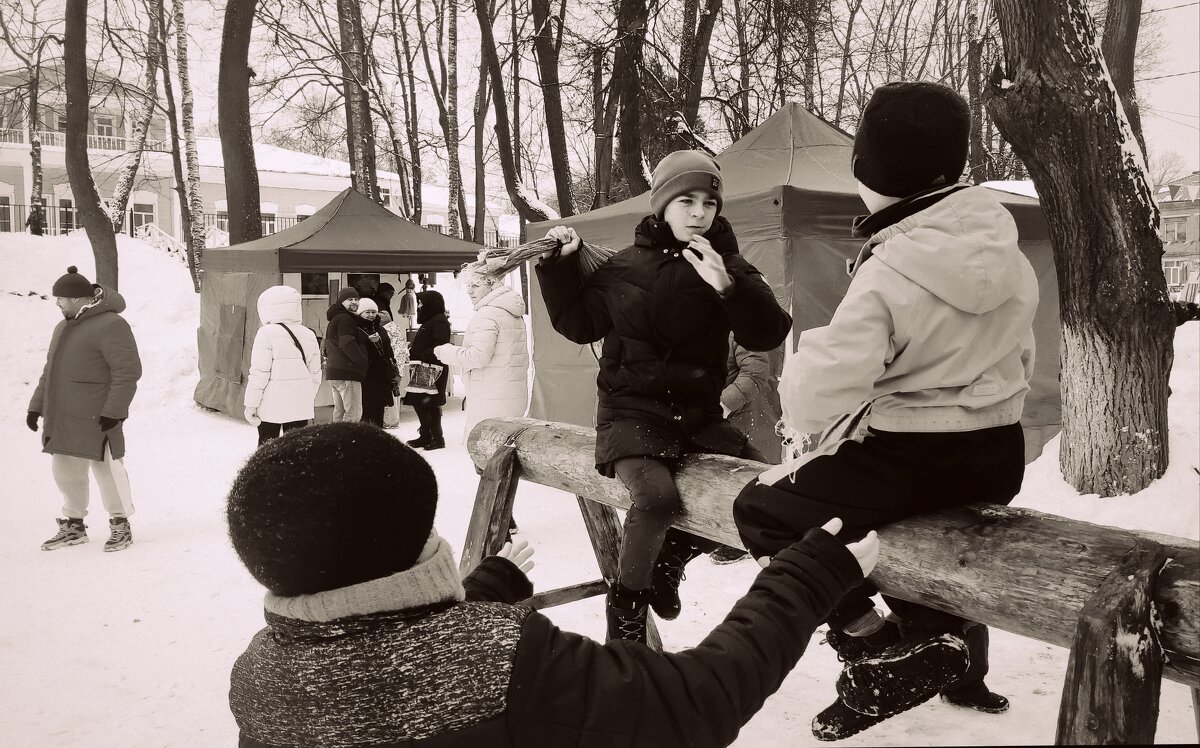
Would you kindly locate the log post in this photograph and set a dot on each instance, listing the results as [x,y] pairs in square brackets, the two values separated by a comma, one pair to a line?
[1114,673]
[492,513]
[605,534]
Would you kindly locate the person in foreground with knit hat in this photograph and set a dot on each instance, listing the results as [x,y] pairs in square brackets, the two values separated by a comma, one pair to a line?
[345,356]
[931,349]
[665,307]
[89,380]
[372,639]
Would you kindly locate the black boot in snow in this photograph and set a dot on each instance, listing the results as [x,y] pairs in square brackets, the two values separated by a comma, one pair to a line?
[419,443]
[838,721]
[904,675]
[977,696]
[626,611]
[434,442]
[677,550]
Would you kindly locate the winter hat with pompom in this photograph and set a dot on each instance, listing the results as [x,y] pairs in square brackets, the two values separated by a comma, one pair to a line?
[366,305]
[912,136]
[72,286]
[681,172]
[330,506]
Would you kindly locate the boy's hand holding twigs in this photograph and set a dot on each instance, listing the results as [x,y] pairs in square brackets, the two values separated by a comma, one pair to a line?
[567,239]
[708,264]
[519,553]
[866,551]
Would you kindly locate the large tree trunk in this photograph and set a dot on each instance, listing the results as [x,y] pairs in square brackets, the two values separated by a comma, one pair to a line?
[1119,44]
[1060,112]
[547,58]
[79,170]
[233,121]
[137,143]
[627,80]
[693,51]
[604,122]
[360,127]
[194,228]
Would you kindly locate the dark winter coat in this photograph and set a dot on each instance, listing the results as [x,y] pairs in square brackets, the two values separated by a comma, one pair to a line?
[345,346]
[665,334]
[434,330]
[380,362]
[479,673]
[751,396]
[92,369]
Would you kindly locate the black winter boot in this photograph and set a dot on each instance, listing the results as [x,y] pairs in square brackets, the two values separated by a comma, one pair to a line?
[977,696]
[626,611]
[903,675]
[677,549]
[850,649]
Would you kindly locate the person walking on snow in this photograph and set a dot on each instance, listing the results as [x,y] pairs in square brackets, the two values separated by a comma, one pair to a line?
[665,307]
[345,356]
[932,350]
[285,366]
[87,384]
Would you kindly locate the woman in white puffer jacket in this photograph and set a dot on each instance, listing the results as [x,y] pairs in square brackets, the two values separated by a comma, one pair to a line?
[285,366]
[494,356]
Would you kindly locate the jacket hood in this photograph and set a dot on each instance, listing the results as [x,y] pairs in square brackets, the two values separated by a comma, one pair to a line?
[962,249]
[279,304]
[504,298]
[431,305]
[106,300]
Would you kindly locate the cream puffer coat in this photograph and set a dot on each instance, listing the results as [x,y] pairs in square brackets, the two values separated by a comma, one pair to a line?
[936,328]
[283,384]
[493,358]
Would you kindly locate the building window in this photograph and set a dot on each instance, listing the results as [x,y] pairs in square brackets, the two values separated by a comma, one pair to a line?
[385,197]
[268,223]
[1175,230]
[104,125]
[66,215]
[5,214]
[143,213]
[365,283]
[314,284]
[435,227]
[61,120]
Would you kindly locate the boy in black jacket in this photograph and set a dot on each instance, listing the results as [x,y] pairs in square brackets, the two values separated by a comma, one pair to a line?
[665,307]
[372,639]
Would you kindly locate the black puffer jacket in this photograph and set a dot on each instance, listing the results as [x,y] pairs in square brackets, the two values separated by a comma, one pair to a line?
[434,331]
[665,334]
[345,346]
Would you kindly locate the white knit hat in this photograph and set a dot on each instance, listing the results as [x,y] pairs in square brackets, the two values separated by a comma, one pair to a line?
[366,305]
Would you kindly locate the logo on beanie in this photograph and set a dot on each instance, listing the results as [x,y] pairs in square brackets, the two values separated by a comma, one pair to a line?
[716,183]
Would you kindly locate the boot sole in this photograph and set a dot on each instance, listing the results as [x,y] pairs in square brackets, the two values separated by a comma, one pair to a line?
[828,736]
[77,541]
[111,548]
[976,707]
[903,680]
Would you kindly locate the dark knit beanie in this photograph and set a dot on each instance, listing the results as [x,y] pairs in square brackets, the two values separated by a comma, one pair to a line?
[72,286]
[912,136]
[329,506]
[349,292]
[681,172]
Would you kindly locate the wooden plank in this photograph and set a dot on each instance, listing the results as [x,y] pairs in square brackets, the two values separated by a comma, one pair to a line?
[1114,674]
[492,512]
[564,595]
[1022,571]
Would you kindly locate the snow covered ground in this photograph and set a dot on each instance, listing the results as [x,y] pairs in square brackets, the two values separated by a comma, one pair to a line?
[135,648]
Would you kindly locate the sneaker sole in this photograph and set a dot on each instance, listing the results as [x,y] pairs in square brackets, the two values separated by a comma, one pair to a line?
[111,548]
[905,680]
[976,707]
[829,736]
[77,541]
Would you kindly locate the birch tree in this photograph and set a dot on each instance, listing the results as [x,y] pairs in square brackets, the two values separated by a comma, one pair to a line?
[360,127]
[194,228]
[143,114]
[443,81]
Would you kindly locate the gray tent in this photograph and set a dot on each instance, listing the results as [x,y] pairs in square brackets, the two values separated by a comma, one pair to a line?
[791,198]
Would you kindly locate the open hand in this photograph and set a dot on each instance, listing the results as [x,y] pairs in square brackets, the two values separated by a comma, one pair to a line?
[519,553]
[708,263]
[568,240]
[866,551]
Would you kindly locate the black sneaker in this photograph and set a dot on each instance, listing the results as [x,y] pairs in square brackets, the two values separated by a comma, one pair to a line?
[978,697]
[120,535]
[903,675]
[838,721]
[418,443]
[70,532]
[625,610]
[677,550]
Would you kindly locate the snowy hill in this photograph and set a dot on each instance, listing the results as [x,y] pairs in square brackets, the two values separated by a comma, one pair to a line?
[135,648]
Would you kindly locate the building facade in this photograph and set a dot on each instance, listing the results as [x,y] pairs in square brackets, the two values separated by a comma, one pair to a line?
[1179,207]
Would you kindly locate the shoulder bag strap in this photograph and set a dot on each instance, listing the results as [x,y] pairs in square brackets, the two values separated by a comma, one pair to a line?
[292,335]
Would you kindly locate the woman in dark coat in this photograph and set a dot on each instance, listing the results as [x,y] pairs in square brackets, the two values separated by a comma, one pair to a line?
[381,364]
[434,330]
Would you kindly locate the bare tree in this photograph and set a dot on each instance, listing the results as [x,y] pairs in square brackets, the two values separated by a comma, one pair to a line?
[1117,329]
[632,16]
[145,112]
[194,228]
[233,120]
[546,42]
[1119,46]
[443,80]
[360,128]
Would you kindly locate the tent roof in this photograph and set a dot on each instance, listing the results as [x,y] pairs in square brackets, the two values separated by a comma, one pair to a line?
[351,233]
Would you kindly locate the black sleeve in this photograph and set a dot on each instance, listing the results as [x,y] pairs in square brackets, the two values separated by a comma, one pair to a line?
[577,309]
[758,322]
[566,687]
[497,580]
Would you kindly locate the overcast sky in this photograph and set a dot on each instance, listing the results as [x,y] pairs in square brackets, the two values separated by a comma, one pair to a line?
[1171,116]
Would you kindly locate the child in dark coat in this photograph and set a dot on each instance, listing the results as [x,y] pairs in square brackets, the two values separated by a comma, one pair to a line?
[372,639]
[932,351]
[665,307]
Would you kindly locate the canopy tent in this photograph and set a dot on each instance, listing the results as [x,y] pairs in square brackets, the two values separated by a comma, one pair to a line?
[791,197]
[350,234]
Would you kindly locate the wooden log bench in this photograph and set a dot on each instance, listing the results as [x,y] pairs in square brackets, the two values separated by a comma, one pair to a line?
[1126,603]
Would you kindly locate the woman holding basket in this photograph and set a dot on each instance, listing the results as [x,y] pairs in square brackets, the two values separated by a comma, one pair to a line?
[426,391]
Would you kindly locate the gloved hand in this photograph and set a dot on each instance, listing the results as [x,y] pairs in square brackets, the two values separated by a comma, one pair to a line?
[252,416]
[31,420]
[108,424]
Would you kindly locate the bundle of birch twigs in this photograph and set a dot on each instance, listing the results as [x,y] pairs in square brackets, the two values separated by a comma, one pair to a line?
[499,261]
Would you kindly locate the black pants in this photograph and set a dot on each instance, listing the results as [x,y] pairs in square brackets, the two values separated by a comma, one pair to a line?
[430,418]
[376,397]
[268,431]
[887,477]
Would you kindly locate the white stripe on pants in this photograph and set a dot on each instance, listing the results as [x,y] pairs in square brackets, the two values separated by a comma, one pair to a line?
[71,475]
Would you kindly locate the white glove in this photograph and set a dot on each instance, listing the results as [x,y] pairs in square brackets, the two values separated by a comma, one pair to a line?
[252,416]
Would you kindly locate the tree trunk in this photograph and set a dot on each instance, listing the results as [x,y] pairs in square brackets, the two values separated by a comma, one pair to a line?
[360,127]
[841,96]
[404,66]
[1119,45]
[556,133]
[604,121]
[233,122]
[693,53]
[79,170]
[977,156]
[137,143]
[743,96]
[443,81]
[1061,114]
[186,217]
[37,214]
[194,228]
[627,79]
[459,225]
[480,112]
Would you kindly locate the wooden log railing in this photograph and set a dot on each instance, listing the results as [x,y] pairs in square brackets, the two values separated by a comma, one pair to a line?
[1019,570]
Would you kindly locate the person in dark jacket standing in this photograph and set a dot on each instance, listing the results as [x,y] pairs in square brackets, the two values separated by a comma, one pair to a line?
[665,307]
[372,639]
[381,364]
[345,356]
[434,330]
[89,380]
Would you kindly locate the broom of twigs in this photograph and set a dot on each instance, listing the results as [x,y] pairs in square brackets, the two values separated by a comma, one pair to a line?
[499,261]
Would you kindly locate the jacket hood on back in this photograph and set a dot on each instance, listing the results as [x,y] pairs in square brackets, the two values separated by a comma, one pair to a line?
[108,301]
[961,249]
[279,304]
[504,298]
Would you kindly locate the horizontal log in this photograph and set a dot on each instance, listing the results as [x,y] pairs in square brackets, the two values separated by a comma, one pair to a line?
[564,595]
[1019,570]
